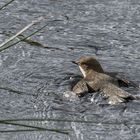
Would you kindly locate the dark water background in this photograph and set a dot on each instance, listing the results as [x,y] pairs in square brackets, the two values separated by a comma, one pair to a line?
[107,29]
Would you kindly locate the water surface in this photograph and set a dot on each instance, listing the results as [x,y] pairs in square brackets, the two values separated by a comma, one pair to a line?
[34,78]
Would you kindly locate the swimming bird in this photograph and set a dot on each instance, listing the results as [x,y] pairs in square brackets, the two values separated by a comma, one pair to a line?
[95,79]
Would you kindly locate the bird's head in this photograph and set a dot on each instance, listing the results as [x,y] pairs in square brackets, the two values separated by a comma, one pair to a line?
[88,63]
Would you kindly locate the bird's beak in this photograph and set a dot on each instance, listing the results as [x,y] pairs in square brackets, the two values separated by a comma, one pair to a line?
[74,62]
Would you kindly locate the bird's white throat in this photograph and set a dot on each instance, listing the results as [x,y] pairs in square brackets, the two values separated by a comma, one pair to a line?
[82,70]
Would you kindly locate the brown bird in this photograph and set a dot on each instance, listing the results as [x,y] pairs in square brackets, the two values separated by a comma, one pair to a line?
[95,79]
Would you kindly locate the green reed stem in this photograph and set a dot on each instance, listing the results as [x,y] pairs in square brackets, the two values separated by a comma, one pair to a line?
[6,4]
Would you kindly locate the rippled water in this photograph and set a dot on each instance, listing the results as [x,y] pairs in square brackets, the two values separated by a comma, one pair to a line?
[34,79]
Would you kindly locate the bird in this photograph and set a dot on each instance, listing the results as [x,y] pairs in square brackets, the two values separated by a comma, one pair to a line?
[96,79]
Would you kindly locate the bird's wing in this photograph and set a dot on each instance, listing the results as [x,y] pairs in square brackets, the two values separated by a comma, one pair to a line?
[97,80]
[122,80]
[115,95]
[80,88]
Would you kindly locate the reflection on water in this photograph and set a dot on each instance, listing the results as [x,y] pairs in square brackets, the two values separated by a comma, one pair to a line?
[34,79]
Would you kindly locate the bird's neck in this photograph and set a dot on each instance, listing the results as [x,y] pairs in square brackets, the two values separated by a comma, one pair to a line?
[83,71]
[87,72]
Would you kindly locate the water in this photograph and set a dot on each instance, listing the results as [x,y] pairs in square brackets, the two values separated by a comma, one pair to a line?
[108,30]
